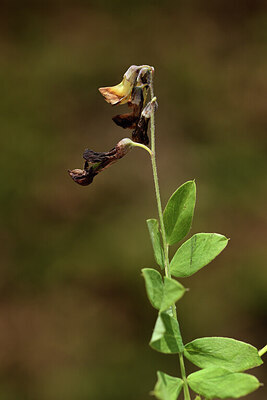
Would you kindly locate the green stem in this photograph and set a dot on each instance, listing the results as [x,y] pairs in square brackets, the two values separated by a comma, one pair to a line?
[263,351]
[163,232]
[135,144]
[183,374]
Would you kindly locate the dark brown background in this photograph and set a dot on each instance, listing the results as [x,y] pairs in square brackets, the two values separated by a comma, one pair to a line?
[74,318]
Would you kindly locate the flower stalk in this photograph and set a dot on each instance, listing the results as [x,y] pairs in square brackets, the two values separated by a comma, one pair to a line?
[143,146]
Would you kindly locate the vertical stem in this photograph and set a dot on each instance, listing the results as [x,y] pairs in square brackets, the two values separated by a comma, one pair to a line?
[156,183]
[183,374]
[163,232]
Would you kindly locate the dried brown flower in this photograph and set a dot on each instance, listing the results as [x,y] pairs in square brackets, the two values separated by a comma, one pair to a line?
[96,162]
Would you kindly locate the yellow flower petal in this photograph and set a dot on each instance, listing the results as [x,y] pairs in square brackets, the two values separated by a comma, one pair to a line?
[120,94]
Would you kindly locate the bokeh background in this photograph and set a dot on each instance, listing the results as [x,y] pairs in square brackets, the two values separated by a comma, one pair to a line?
[74,319]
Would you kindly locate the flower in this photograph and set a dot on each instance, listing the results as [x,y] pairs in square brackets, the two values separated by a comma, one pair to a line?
[96,162]
[132,90]
[121,93]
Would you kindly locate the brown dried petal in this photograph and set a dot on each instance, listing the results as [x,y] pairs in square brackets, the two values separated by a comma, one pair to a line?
[126,120]
[95,157]
[144,75]
[130,120]
[139,135]
[82,176]
[96,162]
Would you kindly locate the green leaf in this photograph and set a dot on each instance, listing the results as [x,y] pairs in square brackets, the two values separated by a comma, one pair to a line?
[222,352]
[154,286]
[172,291]
[166,337]
[167,387]
[179,211]
[220,383]
[161,295]
[197,252]
[153,228]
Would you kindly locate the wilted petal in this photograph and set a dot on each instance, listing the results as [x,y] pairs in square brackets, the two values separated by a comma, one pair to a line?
[96,162]
[139,135]
[144,75]
[82,176]
[104,159]
[94,157]
[130,120]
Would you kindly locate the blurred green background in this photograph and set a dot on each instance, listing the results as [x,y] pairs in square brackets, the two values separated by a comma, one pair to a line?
[74,318]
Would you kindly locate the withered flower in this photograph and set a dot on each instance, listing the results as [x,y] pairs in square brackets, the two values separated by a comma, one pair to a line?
[96,162]
[136,101]
[120,94]
[139,134]
[139,79]
[132,90]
